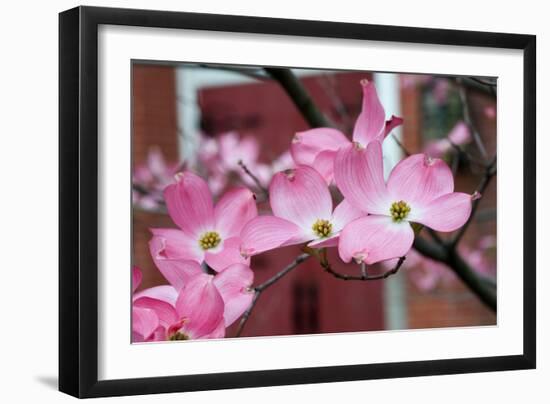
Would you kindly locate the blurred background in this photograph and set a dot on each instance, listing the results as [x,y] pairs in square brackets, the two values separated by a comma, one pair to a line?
[208,118]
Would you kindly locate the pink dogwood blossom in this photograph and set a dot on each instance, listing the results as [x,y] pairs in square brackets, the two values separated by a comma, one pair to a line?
[425,273]
[233,282]
[419,189]
[458,136]
[302,212]
[198,306]
[206,232]
[194,312]
[151,178]
[234,149]
[145,319]
[223,156]
[482,255]
[490,112]
[317,147]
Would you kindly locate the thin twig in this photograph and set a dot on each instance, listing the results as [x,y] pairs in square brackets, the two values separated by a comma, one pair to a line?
[161,209]
[364,276]
[263,286]
[484,82]
[405,151]
[140,189]
[455,162]
[327,82]
[363,267]
[253,177]
[246,314]
[470,158]
[481,86]
[468,119]
[492,86]
[299,259]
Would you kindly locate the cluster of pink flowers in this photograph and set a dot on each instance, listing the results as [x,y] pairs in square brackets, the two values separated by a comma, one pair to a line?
[150,179]
[371,224]
[458,136]
[195,305]
[224,156]
[427,274]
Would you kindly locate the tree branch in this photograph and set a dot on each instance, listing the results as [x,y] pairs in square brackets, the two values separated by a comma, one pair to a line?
[364,276]
[299,95]
[482,85]
[253,177]
[263,286]
[400,144]
[483,288]
[468,118]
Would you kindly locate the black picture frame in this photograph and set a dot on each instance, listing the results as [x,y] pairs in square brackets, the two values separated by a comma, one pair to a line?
[78,195]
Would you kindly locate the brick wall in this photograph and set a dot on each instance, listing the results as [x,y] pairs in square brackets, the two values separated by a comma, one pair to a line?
[154,123]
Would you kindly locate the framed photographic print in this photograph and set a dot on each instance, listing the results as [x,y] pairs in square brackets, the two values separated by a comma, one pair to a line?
[251,201]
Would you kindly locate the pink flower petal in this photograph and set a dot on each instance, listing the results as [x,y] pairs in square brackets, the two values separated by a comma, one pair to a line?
[372,239]
[419,179]
[233,149]
[265,233]
[189,204]
[446,213]
[233,283]
[156,163]
[437,148]
[176,271]
[324,165]
[391,124]
[372,120]
[166,293]
[200,305]
[300,196]
[144,322]
[229,254]
[136,337]
[249,150]
[359,174]
[159,334]
[174,244]
[308,144]
[460,134]
[165,312]
[344,213]
[233,211]
[219,331]
[331,241]
[136,278]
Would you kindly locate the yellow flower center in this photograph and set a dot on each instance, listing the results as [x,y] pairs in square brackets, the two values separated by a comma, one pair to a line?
[178,336]
[209,240]
[399,211]
[322,228]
